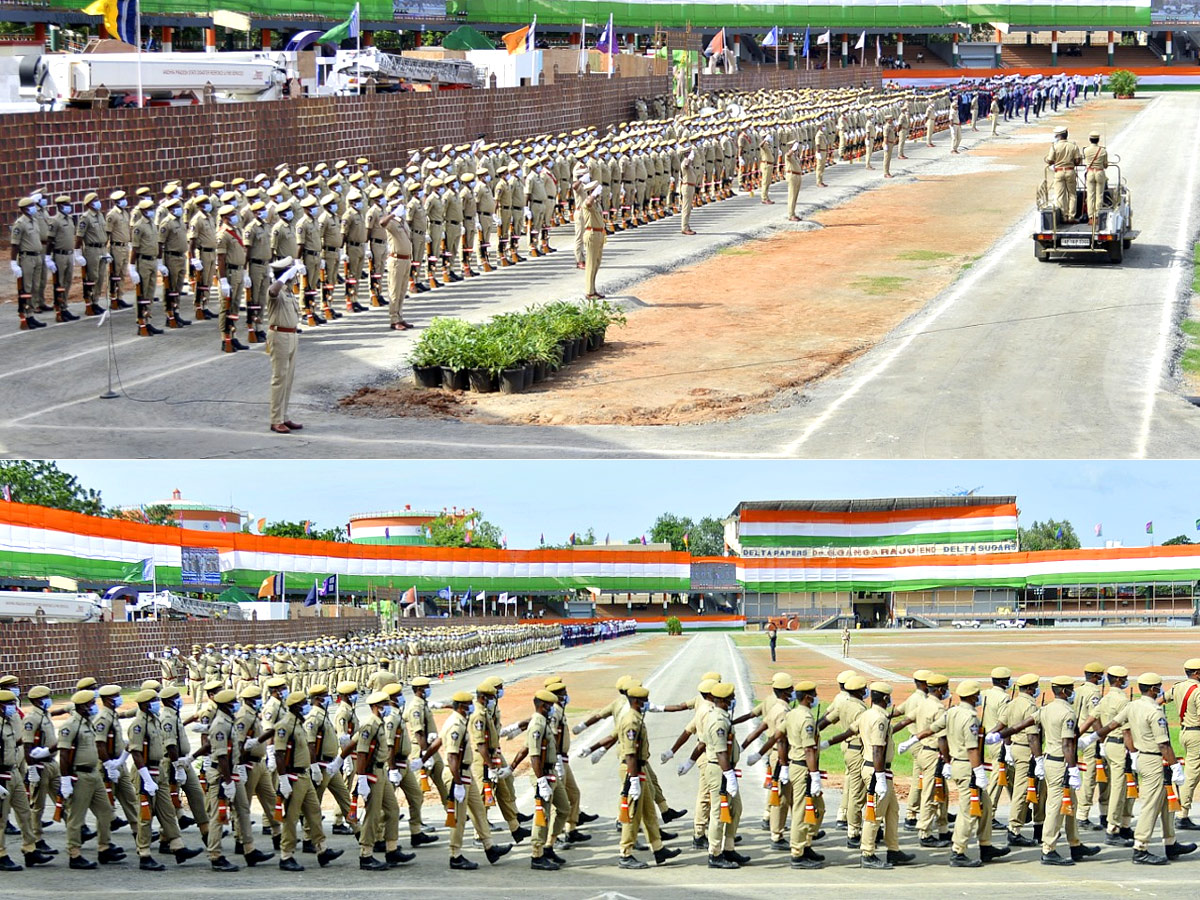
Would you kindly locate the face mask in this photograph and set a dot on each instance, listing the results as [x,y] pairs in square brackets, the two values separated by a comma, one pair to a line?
[262,215]
[16,692]
[233,218]
[733,704]
[44,704]
[377,180]
[9,710]
[95,204]
[358,204]
[43,202]
[122,203]
[1070,698]
[155,707]
[288,215]
[236,707]
[353,699]
[490,704]
[257,704]
[93,710]
[177,194]
[300,191]
[287,179]
[338,188]
[566,698]
[332,207]
[65,209]
[325,702]
[400,700]
[177,212]
[177,703]
[283,692]
[305,709]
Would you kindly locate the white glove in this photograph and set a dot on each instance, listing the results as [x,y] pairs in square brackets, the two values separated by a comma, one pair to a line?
[665,756]
[1133,759]
[229,789]
[460,793]
[333,765]
[32,777]
[993,738]
[578,728]
[107,257]
[1005,753]
[39,753]
[270,757]
[654,707]
[322,263]
[362,786]
[598,754]
[635,788]
[436,704]
[66,786]
[881,784]
[251,743]
[79,259]
[316,773]
[785,774]
[1087,740]
[163,270]
[753,757]
[246,279]
[543,788]
[502,773]
[50,264]
[225,289]
[149,785]
[181,771]
[731,782]
[1074,779]
[395,776]
[348,767]
[343,740]
[814,783]
[16,268]
[510,731]
[686,766]
[368,254]
[1039,767]
[133,274]
[559,772]
[3,792]
[285,787]
[981,776]
[1177,773]
[529,215]
[342,257]
[907,745]
[1102,750]
[196,264]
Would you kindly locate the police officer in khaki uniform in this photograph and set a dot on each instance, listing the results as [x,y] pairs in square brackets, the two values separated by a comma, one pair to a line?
[376,250]
[1095,161]
[1186,697]
[873,728]
[374,790]
[722,752]
[258,782]
[399,771]
[108,730]
[1061,773]
[487,763]
[27,249]
[330,228]
[92,241]
[423,731]
[147,745]
[399,258]
[82,787]
[119,236]
[39,737]
[61,251]
[354,242]
[227,777]
[283,323]
[1118,811]
[539,742]
[1063,157]
[847,713]
[799,747]
[594,238]
[293,760]
[173,249]
[13,795]
[964,738]
[453,211]
[637,790]
[1087,701]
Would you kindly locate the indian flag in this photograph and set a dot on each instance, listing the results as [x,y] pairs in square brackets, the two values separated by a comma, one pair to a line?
[934,525]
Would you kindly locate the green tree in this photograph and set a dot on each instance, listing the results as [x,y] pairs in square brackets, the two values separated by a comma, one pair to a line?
[161,514]
[1045,536]
[45,484]
[670,529]
[449,530]
[297,530]
[1178,539]
[582,539]
[708,537]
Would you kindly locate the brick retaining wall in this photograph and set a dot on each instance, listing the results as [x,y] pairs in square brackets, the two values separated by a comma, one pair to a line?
[78,150]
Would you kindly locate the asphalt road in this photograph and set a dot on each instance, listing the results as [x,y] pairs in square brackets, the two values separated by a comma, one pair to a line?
[1016,359]
[592,870]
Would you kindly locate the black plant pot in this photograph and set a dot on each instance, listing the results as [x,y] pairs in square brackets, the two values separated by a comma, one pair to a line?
[512,381]
[528,370]
[482,381]
[595,340]
[427,376]
[540,371]
[454,379]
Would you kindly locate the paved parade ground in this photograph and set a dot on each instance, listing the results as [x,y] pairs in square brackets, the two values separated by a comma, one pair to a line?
[1005,357]
[671,668]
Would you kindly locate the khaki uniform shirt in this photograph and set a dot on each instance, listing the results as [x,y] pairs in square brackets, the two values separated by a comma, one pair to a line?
[718,736]
[1057,719]
[539,741]
[80,734]
[1020,708]
[372,741]
[1147,724]
[25,235]
[801,730]
[62,233]
[146,736]
[632,737]
[399,237]
[223,739]
[995,701]
[1095,157]
[962,731]
[290,730]
[454,739]
[484,735]
[875,729]
[10,755]
[930,716]
[117,221]
[108,731]
[37,730]
[320,731]
[1063,153]
[1189,715]
[245,725]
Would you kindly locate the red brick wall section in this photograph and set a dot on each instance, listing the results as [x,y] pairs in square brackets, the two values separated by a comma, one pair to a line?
[80,150]
[115,652]
[760,78]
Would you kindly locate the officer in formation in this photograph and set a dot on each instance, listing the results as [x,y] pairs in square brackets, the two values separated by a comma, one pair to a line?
[234,238]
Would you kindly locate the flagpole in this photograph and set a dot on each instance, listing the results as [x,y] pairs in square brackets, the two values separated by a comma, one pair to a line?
[337,595]
[138,14]
[612,46]
[358,45]
[583,45]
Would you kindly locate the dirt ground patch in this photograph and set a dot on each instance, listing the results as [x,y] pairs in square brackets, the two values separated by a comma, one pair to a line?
[755,324]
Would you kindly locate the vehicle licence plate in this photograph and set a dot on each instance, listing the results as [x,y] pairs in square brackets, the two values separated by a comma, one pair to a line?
[1076,242]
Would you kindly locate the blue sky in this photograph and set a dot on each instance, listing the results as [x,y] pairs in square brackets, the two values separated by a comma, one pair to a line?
[623,497]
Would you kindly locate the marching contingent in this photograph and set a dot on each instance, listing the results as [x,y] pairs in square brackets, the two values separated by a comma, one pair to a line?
[376,231]
[287,725]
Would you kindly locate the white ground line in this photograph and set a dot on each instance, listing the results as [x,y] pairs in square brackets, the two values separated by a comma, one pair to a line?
[958,290]
[850,661]
[1166,326]
[753,775]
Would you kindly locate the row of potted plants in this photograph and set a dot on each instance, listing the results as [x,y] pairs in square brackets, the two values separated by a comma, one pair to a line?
[512,351]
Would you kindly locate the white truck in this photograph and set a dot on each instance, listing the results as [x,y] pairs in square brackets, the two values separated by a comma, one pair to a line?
[50,606]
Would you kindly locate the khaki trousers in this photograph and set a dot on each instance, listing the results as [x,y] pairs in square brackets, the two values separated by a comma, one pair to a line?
[579,233]
[934,816]
[720,834]
[855,791]
[821,168]
[302,802]
[281,347]
[453,248]
[802,834]
[397,287]
[700,819]
[1096,182]
[381,816]
[1064,192]
[89,795]
[413,798]
[1190,739]
[478,772]
[260,785]
[17,802]
[126,795]
[966,824]
[887,158]
[1152,792]
[594,244]
[956,135]
[556,810]
[239,816]
[689,199]
[765,170]
[474,808]
[1056,787]
[48,785]
[641,815]
[887,820]
[1088,790]
[793,183]
[94,271]
[163,810]
[1018,811]
[1120,807]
